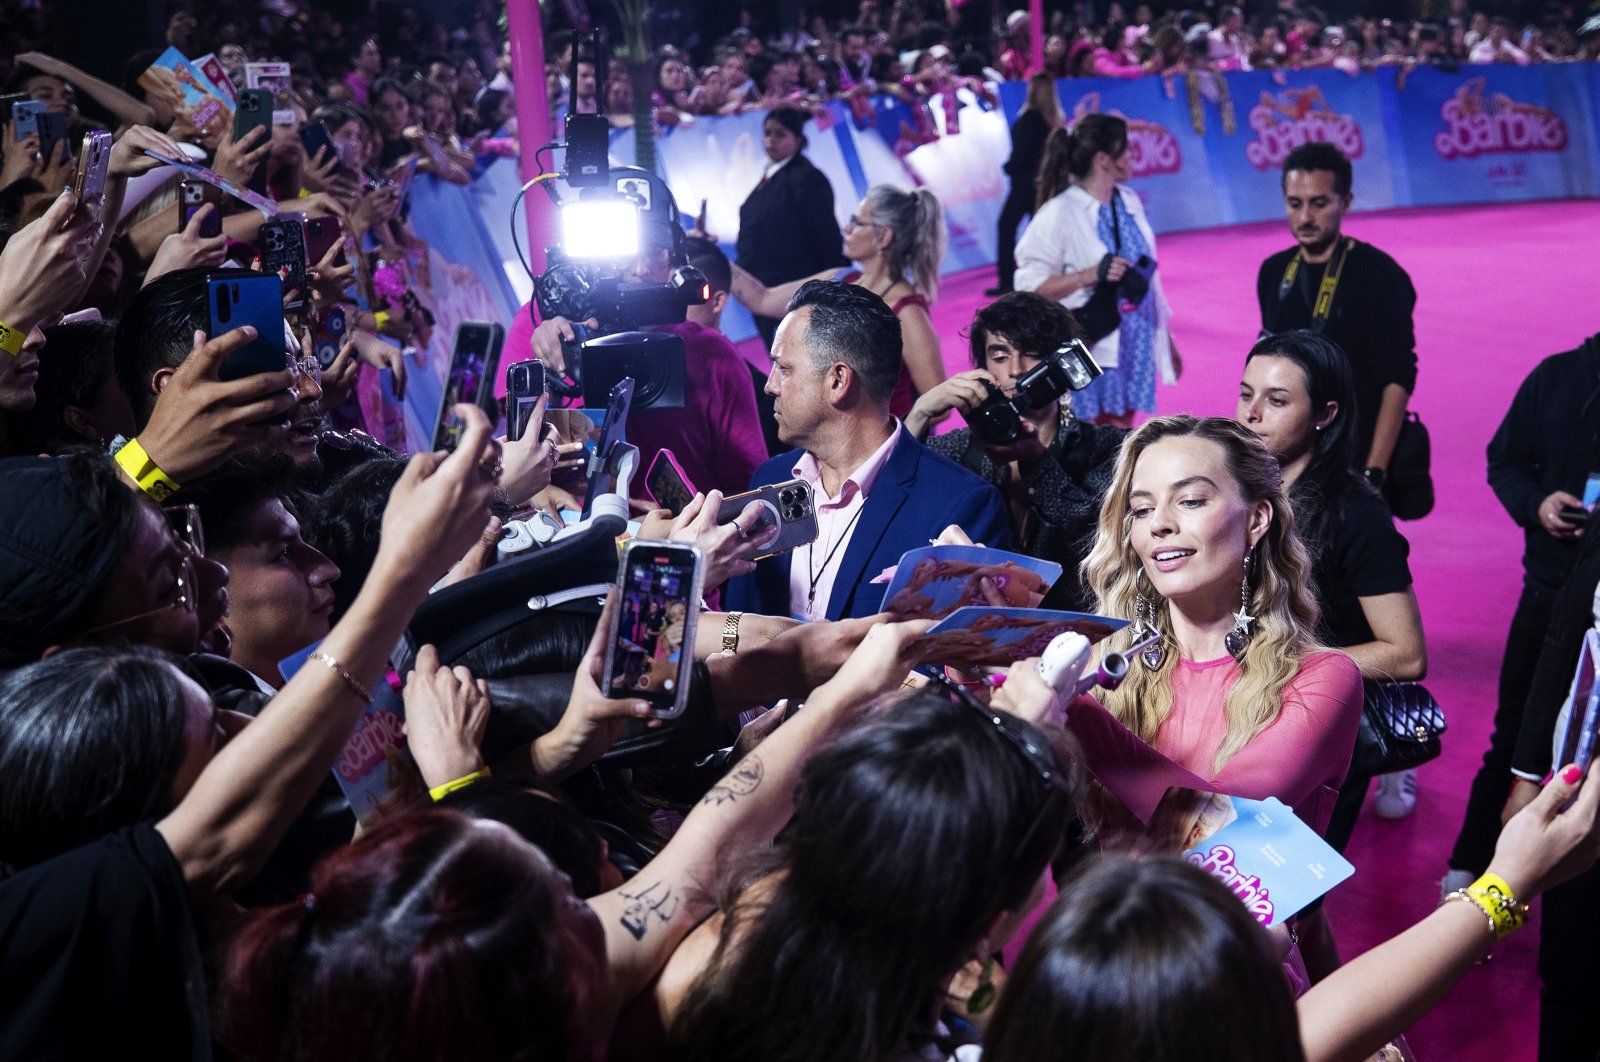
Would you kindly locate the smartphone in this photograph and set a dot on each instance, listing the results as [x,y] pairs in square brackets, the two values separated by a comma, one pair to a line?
[192,195]
[314,136]
[89,182]
[650,643]
[238,301]
[282,245]
[321,234]
[1576,515]
[253,110]
[52,131]
[472,364]
[667,484]
[524,388]
[603,468]
[788,504]
[25,117]
[327,335]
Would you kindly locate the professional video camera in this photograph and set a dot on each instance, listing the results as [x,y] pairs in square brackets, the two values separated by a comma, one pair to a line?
[624,224]
[999,419]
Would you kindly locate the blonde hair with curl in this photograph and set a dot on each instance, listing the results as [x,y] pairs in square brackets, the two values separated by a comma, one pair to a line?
[1281,598]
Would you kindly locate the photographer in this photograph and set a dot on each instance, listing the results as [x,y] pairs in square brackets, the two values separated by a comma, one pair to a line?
[1055,474]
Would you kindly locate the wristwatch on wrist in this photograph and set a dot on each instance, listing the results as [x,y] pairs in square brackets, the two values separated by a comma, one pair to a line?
[730,632]
[1376,476]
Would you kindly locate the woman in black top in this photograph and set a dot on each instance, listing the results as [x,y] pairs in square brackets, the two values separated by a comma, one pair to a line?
[1054,476]
[1297,394]
[787,229]
[1040,115]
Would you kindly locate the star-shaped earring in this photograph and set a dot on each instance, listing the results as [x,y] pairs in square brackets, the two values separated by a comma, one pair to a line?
[1242,620]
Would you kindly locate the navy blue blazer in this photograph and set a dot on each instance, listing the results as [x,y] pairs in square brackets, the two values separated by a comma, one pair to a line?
[915,497]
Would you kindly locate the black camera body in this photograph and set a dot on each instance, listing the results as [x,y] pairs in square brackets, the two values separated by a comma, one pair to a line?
[999,419]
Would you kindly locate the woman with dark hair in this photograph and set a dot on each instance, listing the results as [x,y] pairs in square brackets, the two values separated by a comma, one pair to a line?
[1298,397]
[1197,545]
[1087,234]
[787,230]
[1040,116]
[476,922]
[1155,959]
[1054,475]
[77,400]
[918,842]
[112,924]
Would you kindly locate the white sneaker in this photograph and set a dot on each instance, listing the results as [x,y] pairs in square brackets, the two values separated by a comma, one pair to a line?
[1454,881]
[1397,794]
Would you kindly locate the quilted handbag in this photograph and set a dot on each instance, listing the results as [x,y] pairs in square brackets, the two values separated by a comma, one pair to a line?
[1400,728]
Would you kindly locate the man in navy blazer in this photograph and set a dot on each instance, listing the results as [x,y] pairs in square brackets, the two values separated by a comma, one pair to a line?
[878,491]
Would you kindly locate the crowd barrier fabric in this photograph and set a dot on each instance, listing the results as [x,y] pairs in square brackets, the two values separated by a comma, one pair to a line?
[1207,152]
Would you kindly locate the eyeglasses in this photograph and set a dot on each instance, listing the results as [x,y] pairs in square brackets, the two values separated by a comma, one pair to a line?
[184,522]
[306,367]
[857,223]
[1040,758]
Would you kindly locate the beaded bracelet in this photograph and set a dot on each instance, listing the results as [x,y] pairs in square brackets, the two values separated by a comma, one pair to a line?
[349,680]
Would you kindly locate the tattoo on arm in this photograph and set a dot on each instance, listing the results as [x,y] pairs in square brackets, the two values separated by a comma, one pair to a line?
[656,899]
[744,779]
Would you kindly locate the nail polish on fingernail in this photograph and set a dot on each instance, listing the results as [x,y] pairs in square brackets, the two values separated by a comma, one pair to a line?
[1571,773]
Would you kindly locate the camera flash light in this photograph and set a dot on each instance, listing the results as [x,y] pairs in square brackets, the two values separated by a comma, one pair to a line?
[601,228]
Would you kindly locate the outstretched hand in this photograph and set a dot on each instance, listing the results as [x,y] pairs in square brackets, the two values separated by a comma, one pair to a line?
[1543,845]
[447,710]
[730,548]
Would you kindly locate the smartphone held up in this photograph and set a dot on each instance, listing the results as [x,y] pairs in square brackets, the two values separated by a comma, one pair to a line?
[650,641]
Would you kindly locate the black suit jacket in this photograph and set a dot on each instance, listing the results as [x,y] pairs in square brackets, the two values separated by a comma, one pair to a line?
[915,497]
[786,226]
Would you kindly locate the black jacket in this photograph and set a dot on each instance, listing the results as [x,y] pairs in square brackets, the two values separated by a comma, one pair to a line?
[786,226]
[1548,441]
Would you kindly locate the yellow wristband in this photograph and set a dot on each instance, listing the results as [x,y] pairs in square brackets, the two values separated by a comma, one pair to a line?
[439,792]
[380,319]
[11,339]
[1494,896]
[145,472]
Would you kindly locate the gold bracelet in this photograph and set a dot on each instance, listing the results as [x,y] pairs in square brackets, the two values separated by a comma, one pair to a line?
[145,472]
[1491,895]
[439,792]
[349,680]
[730,632]
[11,339]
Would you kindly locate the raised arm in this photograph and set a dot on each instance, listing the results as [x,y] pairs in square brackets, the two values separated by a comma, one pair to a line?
[769,302]
[645,919]
[239,808]
[1358,1008]
[127,110]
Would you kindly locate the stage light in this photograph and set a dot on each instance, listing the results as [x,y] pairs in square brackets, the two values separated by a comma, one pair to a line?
[600,228]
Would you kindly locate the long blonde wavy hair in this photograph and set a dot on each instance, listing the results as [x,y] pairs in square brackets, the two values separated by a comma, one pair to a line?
[1281,596]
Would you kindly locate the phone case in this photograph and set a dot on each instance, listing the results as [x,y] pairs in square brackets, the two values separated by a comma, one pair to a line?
[648,671]
[89,182]
[282,243]
[524,385]
[473,360]
[52,131]
[667,483]
[790,503]
[321,235]
[314,135]
[238,301]
[25,117]
[192,195]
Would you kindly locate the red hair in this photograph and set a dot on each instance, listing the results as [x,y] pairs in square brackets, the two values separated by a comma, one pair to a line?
[434,937]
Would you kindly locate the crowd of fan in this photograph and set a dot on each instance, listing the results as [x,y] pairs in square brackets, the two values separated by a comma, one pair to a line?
[916,50]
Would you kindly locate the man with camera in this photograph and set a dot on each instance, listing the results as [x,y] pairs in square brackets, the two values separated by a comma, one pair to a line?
[1349,291]
[1050,467]
[877,491]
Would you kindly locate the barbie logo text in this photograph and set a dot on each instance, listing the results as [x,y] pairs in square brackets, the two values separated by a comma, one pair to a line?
[1219,864]
[369,745]
[1477,126]
[1298,116]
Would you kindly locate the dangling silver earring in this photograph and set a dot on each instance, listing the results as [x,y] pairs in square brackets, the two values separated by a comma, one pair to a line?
[1144,615]
[1237,639]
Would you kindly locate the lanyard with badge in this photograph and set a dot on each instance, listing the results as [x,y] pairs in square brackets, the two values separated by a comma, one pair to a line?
[1322,306]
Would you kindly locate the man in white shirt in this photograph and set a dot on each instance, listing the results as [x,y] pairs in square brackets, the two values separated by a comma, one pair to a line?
[877,491]
[1497,46]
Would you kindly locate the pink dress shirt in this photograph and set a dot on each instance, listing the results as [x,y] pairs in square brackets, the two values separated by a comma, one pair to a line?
[812,568]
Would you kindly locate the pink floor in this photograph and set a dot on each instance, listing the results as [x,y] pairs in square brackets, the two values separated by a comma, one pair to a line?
[1498,289]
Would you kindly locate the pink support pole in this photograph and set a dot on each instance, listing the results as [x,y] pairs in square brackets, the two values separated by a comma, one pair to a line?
[533,118]
[1036,30]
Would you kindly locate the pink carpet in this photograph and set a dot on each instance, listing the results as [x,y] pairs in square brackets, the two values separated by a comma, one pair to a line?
[1499,287]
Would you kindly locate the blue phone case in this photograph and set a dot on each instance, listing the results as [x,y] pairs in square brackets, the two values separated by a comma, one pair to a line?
[257,301]
[25,117]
